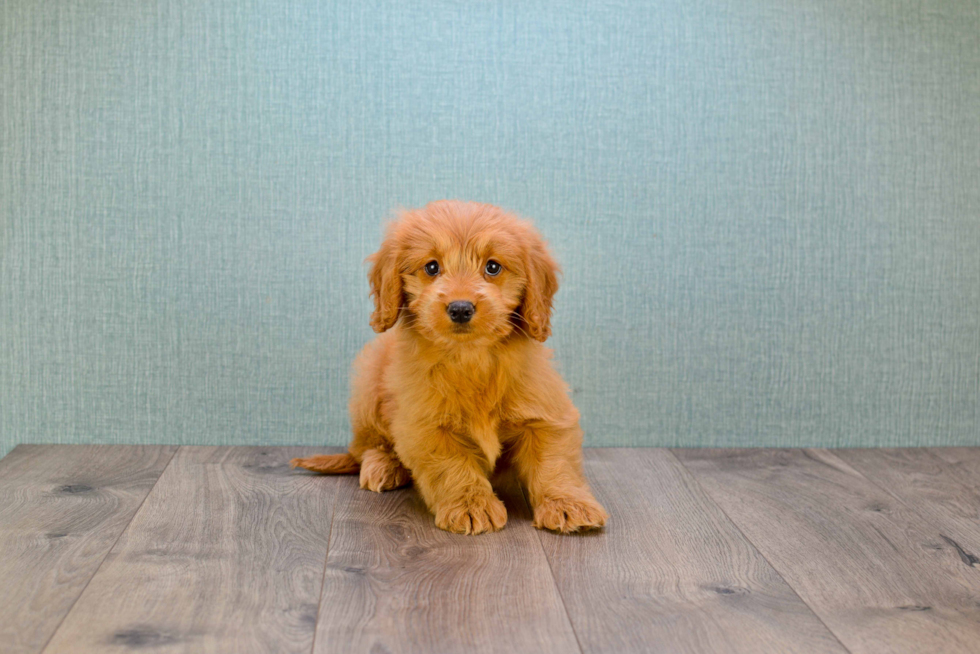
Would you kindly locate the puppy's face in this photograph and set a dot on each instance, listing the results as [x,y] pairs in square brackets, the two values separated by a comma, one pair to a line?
[463,273]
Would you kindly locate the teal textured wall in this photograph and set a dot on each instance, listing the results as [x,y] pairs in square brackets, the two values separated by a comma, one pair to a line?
[768,211]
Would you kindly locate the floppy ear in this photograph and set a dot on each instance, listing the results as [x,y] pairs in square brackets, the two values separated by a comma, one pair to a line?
[386,284]
[542,283]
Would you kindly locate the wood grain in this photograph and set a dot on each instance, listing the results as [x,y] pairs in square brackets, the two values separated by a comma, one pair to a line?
[229,553]
[671,573]
[944,494]
[226,555]
[62,507]
[395,583]
[962,464]
[881,577]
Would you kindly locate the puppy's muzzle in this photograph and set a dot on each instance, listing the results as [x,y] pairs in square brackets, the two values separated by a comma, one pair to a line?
[460,312]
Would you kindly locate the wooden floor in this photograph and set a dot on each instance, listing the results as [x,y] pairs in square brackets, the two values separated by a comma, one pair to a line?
[226,549]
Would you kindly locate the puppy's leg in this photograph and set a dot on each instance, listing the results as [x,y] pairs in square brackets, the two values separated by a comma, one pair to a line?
[381,471]
[452,479]
[548,460]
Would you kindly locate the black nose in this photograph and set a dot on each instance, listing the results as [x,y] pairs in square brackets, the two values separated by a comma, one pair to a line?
[460,311]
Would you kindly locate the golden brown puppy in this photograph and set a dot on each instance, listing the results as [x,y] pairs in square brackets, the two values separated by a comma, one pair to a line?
[459,385]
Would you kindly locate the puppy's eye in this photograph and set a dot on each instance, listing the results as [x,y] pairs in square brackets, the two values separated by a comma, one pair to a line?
[432,268]
[493,268]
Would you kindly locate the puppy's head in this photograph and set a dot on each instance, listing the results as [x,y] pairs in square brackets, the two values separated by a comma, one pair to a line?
[463,272]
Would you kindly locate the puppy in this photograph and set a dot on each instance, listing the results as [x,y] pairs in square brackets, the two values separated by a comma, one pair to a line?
[458,384]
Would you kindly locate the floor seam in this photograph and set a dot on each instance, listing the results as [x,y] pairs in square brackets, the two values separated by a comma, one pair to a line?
[551,570]
[109,551]
[326,559]
[751,542]
[921,516]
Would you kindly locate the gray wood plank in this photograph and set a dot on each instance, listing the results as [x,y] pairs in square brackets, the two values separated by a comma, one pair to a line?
[670,572]
[225,555]
[962,464]
[938,491]
[879,575]
[62,507]
[395,583]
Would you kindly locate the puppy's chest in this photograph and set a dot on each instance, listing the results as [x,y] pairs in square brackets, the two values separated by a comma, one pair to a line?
[469,399]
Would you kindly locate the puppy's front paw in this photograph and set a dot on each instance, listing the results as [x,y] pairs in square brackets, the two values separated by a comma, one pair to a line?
[566,514]
[472,515]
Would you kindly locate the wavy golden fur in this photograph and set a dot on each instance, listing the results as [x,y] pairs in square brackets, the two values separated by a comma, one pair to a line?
[447,403]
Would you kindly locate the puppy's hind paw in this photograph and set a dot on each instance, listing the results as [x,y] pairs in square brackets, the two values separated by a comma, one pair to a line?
[382,471]
[567,515]
[473,515]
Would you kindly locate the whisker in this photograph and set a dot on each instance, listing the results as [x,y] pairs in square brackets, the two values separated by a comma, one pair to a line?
[521,329]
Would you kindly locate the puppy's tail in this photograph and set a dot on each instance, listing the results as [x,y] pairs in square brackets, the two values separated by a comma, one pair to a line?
[329,464]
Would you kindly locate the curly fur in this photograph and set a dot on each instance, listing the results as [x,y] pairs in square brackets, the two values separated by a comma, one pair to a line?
[447,405]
